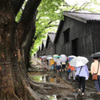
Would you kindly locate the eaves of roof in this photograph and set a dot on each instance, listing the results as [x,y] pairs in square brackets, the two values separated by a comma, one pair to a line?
[83,17]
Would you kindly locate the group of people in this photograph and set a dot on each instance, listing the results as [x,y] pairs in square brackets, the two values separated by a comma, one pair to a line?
[81,71]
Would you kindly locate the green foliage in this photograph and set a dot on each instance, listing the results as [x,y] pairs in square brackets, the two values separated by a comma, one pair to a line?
[47,20]
[18,16]
[48,14]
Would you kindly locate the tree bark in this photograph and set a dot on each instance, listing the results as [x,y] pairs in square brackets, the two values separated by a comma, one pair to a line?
[15,39]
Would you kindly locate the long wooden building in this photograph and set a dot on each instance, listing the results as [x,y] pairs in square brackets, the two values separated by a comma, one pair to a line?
[78,34]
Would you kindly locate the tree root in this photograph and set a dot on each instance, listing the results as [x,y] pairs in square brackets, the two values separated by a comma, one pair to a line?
[45,88]
[11,96]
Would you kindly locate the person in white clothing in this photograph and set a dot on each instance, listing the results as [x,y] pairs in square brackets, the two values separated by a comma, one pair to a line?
[58,65]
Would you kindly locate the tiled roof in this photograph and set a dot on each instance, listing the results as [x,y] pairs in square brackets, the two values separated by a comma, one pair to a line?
[84,17]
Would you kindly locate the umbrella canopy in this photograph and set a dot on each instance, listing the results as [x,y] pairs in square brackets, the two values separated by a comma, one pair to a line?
[55,55]
[70,57]
[97,54]
[63,58]
[49,58]
[63,55]
[44,57]
[78,61]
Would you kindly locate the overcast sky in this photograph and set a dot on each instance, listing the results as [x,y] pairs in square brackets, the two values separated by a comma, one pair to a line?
[71,2]
[75,1]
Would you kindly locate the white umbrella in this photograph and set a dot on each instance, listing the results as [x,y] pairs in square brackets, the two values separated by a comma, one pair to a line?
[62,55]
[63,58]
[79,61]
[55,55]
[44,57]
[49,58]
[71,57]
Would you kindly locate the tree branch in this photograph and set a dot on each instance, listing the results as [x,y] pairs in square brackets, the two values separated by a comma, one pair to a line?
[29,11]
[82,7]
[16,5]
[73,7]
[27,19]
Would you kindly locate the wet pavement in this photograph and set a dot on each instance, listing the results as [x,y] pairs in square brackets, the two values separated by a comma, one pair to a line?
[90,91]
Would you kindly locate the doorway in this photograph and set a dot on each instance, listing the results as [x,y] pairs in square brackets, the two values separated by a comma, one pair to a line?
[75,47]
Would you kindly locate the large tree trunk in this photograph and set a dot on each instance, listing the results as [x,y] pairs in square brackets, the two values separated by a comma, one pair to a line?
[15,39]
[15,44]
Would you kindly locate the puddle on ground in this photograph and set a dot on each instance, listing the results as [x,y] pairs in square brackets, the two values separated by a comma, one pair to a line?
[53,97]
[90,93]
[45,78]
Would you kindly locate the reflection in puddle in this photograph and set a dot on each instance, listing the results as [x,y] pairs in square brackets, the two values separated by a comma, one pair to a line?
[44,78]
[53,97]
[37,78]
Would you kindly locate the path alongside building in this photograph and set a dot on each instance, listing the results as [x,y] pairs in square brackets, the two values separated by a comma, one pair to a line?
[90,93]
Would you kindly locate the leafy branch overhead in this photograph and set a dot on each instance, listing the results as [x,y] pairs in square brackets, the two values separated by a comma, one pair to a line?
[48,14]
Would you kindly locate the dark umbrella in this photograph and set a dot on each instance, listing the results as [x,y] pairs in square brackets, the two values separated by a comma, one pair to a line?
[97,54]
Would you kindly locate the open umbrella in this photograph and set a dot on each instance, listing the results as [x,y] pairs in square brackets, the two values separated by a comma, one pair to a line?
[79,61]
[44,57]
[63,55]
[63,58]
[49,58]
[70,57]
[97,54]
[55,55]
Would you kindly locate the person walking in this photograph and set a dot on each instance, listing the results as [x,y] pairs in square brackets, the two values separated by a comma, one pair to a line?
[58,65]
[63,64]
[63,59]
[72,68]
[83,73]
[95,68]
[52,64]
[72,73]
